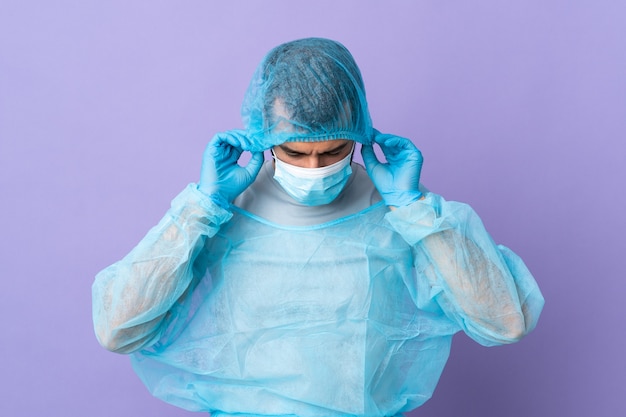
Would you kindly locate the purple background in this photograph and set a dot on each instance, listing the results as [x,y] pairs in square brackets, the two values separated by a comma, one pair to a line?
[518,106]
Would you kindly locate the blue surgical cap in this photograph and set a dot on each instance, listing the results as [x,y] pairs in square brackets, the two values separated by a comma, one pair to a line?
[308,90]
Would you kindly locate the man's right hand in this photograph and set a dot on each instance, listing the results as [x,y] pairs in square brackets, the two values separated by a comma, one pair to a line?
[221,176]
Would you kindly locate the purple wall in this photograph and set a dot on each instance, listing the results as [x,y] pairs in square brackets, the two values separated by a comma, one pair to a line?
[519,108]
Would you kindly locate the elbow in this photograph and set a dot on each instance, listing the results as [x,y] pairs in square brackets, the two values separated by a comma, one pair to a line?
[515,334]
[125,340]
[111,341]
[107,333]
[513,329]
[123,346]
[507,330]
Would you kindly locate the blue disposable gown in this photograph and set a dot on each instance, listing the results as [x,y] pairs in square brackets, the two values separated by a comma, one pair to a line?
[274,308]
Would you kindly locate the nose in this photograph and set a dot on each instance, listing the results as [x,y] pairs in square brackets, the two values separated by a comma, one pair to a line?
[313,161]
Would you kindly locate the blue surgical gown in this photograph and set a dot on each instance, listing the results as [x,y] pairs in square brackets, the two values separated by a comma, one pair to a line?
[273,308]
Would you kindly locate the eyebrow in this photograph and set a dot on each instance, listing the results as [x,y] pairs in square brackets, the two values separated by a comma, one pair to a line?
[286,148]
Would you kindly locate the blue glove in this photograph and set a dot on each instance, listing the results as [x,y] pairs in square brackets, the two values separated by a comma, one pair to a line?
[398,179]
[221,177]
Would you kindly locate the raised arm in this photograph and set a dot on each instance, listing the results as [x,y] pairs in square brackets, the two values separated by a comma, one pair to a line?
[485,288]
[133,298]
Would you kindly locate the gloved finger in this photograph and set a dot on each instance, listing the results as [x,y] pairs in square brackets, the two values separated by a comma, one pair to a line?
[226,147]
[369,157]
[230,139]
[248,142]
[389,145]
[255,164]
[398,149]
[380,138]
[394,143]
[236,138]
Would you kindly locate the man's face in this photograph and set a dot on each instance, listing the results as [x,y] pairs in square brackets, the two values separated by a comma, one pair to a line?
[313,154]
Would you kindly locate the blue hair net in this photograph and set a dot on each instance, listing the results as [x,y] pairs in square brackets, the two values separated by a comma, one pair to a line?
[307,90]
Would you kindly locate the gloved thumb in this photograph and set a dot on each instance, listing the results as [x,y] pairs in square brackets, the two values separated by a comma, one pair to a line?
[369,157]
[255,164]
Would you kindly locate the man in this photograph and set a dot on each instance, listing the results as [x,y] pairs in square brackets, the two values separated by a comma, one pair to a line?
[307,285]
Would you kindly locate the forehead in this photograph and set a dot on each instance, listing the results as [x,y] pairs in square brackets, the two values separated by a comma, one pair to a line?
[315,147]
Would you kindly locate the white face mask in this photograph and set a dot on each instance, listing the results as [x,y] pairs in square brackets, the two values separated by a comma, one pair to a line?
[313,186]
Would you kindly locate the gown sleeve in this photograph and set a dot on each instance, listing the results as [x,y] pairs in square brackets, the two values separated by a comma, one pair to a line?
[485,288]
[132,298]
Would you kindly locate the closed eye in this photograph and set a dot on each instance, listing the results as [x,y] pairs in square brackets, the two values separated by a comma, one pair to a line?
[293,154]
[336,151]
